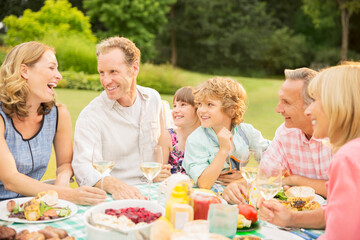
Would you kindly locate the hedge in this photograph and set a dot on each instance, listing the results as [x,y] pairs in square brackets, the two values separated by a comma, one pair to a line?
[165,79]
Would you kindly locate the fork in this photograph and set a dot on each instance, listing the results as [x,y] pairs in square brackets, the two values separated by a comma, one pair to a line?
[291,230]
[310,234]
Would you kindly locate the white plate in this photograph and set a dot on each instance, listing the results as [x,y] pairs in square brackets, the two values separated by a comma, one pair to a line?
[277,234]
[61,203]
[319,199]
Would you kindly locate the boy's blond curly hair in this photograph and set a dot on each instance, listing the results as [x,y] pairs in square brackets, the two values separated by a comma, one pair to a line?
[231,94]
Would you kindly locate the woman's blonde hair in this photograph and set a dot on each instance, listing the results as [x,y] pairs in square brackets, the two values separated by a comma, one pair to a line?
[13,87]
[338,89]
[231,94]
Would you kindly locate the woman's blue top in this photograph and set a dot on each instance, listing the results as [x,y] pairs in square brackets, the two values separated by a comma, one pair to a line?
[31,155]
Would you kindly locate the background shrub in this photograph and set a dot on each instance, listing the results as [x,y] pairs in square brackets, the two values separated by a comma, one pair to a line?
[55,17]
[74,53]
[80,80]
[165,79]
[3,53]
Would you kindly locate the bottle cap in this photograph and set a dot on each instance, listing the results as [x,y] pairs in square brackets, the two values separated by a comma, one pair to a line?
[179,191]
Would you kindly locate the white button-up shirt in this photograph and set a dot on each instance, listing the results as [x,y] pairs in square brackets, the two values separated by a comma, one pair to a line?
[106,130]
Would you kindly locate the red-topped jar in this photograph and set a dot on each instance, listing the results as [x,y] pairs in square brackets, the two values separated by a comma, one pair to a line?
[201,205]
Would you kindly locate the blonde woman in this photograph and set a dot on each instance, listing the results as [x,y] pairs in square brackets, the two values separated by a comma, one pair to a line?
[335,114]
[31,124]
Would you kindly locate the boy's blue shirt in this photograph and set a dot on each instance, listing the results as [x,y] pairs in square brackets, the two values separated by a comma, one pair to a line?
[201,148]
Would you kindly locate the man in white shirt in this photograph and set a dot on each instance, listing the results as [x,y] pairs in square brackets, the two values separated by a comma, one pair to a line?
[118,124]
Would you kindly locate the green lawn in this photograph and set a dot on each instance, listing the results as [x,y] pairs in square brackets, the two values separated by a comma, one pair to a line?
[262,99]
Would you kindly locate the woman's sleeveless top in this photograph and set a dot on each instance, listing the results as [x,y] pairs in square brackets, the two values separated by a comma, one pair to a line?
[31,155]
[176,157]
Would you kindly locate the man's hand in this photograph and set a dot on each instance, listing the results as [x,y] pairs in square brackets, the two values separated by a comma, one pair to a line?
[163,174]
[274,212]
[225,179]
[234,193]
[120,190]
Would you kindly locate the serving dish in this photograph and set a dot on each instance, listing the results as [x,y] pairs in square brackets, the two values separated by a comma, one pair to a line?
[95,233]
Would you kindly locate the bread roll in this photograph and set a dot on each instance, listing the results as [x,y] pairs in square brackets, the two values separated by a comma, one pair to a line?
[303,192]
[161,229]
[197,236]
[50,197]
[7,233]
[196,226]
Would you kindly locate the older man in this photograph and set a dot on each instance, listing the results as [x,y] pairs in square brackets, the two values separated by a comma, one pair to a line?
[305,159]
[119,123]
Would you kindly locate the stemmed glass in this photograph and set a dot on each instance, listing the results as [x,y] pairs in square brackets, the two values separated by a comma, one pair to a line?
[249,173]
[151,161]
[268,180]
[103,162]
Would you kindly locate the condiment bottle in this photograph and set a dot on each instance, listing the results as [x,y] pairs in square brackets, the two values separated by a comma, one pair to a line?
[178,195]
[181,214]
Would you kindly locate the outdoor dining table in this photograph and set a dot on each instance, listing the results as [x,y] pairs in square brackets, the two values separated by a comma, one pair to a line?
[75,225]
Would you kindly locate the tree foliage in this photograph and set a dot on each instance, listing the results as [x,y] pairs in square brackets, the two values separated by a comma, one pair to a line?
[138,20]
[230,34]
[55,18]
[326,13]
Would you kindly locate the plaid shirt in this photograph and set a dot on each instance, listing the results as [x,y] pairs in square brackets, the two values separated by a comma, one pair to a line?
[300,156]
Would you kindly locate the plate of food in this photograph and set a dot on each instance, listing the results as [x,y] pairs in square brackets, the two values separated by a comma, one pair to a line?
[253,227]
[46,207]
[247,218]
[300,198]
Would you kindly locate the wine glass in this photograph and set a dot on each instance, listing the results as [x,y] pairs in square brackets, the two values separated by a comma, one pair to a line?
[103,162]
[268,180]
[249,173]
[151,160]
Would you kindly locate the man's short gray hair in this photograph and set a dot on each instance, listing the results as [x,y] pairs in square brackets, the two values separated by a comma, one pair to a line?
[303,74]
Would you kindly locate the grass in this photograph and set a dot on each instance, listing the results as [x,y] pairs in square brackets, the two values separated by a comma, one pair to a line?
[262,99]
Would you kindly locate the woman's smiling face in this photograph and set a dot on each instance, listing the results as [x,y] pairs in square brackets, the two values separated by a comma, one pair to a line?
[42,77]
[319,120]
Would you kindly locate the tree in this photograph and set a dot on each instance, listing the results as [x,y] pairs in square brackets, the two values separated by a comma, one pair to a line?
[137,20]
[347,8]
[227,36]
[55,18]
[323,12]
[17,7]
